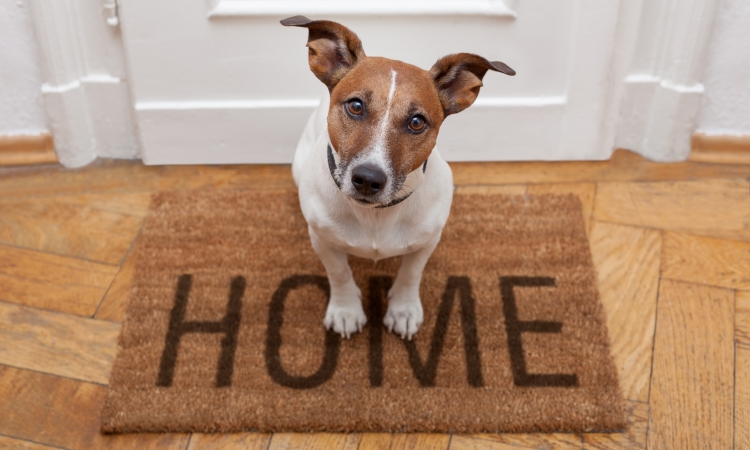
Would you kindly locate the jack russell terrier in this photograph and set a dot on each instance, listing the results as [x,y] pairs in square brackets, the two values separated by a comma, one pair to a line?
[371,181]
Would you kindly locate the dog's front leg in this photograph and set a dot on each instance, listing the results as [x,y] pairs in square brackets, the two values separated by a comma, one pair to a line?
[344,313]
[405,315]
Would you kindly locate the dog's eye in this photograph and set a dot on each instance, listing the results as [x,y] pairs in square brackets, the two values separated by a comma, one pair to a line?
[417,123]
[355,107]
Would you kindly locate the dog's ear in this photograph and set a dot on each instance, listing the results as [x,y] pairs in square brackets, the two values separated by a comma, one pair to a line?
[333,48]
[458,78]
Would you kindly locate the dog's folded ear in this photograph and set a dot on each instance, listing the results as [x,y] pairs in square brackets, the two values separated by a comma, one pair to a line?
[333,48]
[458,78]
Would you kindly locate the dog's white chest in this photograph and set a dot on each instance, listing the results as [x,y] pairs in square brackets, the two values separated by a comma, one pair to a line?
[389,235]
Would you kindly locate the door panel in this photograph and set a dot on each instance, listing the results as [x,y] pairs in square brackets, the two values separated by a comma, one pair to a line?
[223,82]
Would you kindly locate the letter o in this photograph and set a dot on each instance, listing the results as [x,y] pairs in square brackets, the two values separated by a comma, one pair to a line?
[273,337]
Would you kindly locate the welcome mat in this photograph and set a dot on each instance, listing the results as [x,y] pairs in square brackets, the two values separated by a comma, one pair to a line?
[224,328]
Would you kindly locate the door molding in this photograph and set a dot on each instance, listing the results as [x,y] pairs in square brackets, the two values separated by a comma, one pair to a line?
[234,8]
[662,91]
[85,92]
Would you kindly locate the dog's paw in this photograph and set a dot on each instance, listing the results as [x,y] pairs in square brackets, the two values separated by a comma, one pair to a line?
[404,318]
[345,320]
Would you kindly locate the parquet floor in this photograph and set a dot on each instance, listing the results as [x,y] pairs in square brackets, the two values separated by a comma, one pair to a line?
[671,243]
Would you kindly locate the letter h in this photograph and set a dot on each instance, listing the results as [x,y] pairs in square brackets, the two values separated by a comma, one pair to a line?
[229,325]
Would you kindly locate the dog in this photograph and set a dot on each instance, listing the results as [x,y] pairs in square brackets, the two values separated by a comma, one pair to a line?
[371,181]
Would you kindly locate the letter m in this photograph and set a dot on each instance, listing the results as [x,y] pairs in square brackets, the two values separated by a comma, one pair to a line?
[426,371]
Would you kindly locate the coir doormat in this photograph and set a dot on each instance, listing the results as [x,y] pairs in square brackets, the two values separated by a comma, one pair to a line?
[224,328]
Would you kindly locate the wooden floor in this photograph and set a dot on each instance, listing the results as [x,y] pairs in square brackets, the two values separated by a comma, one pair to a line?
[671,244]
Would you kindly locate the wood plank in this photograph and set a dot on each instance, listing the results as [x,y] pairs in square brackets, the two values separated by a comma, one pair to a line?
[742,317]
[18,444]
[623,166]
[57,343]
[130,203]
[231,441]
[742,397]
[715,208]
[692,385]
[633,438]
[704,260]
[505,189]
[742,370]
[584,191]
[314,441]
[53,282]
[554,441]
[115,301]
[627,263]
[109,175]
[53,225]
[376,441]
[65,413]
[386,441]
[421,441]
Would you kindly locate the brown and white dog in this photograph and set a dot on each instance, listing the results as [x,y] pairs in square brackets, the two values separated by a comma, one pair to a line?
[371,182]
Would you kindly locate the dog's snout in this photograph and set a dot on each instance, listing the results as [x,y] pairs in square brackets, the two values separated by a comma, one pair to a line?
[368,179]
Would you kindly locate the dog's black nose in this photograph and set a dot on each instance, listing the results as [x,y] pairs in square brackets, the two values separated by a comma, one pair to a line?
[368,179]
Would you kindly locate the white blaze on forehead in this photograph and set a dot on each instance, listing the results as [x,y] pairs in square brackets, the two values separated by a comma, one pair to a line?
[384,121]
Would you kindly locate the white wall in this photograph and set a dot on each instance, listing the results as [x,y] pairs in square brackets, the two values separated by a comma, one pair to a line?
[21,105]
[726,102]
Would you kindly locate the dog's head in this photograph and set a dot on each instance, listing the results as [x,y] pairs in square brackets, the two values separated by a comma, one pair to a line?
[385,115]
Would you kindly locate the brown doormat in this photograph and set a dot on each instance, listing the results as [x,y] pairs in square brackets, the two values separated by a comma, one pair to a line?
[224,329]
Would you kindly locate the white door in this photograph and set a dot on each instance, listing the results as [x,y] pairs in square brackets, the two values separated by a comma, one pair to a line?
[221,81]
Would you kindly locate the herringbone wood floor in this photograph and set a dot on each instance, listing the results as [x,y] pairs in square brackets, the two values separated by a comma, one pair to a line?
[671,243]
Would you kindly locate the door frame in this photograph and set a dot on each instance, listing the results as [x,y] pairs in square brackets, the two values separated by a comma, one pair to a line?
[653,90]
[85,87]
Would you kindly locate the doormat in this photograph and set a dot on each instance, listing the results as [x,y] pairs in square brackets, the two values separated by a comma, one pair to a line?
[224,327]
